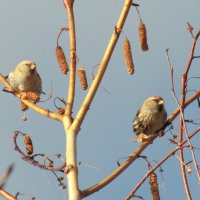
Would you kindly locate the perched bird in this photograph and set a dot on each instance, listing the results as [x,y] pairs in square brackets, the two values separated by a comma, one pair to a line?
[150,117]
[25,78]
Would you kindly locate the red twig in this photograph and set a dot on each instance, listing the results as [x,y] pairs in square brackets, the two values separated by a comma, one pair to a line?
[182,121]
[31,160]
[132,193]
[182,126]
[135,154]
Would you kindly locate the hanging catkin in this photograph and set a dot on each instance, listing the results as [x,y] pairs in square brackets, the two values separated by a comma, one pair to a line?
[154,186]
[128,56]
[62,60]
[82,78]
[28,144]
[143,37]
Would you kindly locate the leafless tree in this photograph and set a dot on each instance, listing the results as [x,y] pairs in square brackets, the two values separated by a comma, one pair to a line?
[72,124]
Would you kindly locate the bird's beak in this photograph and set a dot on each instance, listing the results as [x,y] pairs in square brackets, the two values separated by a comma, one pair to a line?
[161,102]
[33,67]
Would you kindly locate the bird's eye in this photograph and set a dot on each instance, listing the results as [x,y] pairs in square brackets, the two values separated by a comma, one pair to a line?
[28,65]
[155,100]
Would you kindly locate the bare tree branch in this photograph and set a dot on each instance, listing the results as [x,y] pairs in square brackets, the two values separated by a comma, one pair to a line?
[7,195]
[135,154]
[31,105]
[131,194]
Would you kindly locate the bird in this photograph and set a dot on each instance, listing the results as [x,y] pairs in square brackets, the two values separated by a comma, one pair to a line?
[25,78]
[150,118]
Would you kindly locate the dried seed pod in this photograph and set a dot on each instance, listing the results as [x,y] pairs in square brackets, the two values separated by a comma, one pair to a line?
[82,78]
[62,60]
[143,37]
[154,186]
[24,107]
[29,145]
[32,97]
[128,56]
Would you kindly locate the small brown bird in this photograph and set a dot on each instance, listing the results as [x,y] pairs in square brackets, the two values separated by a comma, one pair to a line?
[150,117]
[25,78]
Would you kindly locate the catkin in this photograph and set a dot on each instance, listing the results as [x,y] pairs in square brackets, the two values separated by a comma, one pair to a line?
[62,60]
[29,145]
[82,78]
[143,37]
[154,186]
[128,56]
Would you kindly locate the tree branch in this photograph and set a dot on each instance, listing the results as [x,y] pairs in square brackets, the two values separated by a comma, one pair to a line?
[31,105]
[72,38]
[6,195]
[182,120]
[71,135]
[135,154]
[131,194]
[102,67]
[182,126]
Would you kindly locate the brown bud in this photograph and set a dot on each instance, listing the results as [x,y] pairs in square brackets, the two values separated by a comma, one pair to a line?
[82,78]
[29,145]
[189,27]
[143,37]
[32,97]
[62,60]
[24,107]
[154,186]
[128,56]
[61,111]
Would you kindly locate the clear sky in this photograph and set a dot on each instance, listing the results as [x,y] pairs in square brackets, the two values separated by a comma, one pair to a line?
[28,30]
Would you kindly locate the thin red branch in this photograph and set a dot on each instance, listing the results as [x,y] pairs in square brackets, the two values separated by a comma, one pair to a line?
[134,155]
[132,193]
[182,119]
[31,160]
[182,126]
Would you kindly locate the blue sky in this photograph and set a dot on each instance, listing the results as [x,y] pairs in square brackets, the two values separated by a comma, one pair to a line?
[28,30]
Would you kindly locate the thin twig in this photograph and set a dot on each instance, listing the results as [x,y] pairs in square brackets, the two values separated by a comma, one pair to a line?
[182,120]
[31,105]
[196,56]
[135,154]
[131,194]
[180,129]
[30,158]
[5,175]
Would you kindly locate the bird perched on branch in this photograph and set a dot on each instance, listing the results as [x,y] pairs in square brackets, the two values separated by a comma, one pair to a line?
[150,118]
[25,78]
